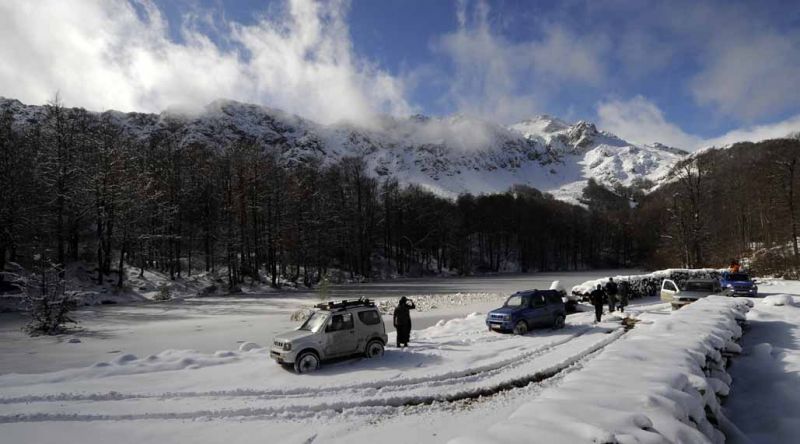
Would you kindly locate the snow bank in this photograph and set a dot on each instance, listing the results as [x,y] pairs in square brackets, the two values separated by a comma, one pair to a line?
[427,302]
[665,381]
[765,401]
[778,300]
[644,285]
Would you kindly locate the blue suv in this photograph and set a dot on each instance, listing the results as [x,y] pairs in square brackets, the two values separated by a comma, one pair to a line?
[528,309]
[738,284]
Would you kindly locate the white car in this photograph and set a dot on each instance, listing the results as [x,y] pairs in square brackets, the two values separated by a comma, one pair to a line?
[334,330]
[691,291]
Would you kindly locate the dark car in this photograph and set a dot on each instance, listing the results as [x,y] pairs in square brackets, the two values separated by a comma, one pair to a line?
[738,284]
[525,310]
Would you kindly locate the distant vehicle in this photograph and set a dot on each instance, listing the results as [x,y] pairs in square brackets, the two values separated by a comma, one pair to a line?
[691,291]
[525,310]
[738,284]
[334,330]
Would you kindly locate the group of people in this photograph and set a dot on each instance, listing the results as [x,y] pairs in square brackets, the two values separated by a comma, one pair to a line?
[615,294]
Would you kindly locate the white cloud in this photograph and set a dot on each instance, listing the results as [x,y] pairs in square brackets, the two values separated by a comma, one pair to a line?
[501,80]
[102,55]
[751,77]
[641,121]
[757,133]
[563,56]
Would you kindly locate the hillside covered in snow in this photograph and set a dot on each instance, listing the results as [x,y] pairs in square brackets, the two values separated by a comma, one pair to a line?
[448,156]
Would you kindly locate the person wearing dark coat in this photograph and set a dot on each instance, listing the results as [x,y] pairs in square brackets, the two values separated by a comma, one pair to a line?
[402,321]
[597,295]
[624,295]
[611,292]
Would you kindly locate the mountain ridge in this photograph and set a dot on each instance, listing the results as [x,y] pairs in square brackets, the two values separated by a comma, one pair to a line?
[446,155]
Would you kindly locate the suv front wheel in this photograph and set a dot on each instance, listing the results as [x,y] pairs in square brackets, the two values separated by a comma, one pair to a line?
[374,349]
[558,323]
[521,328]
[306,362]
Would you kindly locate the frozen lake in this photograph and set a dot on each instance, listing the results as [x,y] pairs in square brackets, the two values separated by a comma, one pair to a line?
[222,323]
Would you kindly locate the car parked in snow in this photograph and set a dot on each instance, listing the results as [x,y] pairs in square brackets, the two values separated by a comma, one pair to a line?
[691,291]
[334,330]
[525,310]
[738,284]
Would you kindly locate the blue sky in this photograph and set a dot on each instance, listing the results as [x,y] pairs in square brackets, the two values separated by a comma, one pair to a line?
[682,72]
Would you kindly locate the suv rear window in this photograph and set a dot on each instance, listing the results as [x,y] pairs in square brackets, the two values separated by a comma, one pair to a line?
[537,300]
[553,298]
[369,317]
[699,286]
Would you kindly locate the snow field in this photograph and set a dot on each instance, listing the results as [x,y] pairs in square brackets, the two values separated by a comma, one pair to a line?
[453,360]
[765,398]
[657,384]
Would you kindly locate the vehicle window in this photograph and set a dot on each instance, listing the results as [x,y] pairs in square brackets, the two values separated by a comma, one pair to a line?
[514,301]
[553,298]
[537,300]
[369,317]
[342,321]
[699,286]
[315,322]
[670,286]
[738,277]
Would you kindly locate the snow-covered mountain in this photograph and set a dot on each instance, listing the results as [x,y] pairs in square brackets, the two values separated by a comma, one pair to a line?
[449,155]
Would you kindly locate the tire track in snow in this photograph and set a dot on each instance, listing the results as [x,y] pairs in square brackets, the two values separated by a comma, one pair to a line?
[535,366]
[399,384]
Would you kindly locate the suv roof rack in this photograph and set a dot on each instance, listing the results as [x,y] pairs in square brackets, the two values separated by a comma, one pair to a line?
[335,306]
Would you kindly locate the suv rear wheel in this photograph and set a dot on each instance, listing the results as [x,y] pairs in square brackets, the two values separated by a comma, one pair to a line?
[306,362]
[374,349]
[558,322]
[521,328]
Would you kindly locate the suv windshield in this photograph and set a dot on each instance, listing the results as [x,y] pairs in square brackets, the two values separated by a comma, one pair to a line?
[514,301]
[738,277]
[699,286]
[315,322]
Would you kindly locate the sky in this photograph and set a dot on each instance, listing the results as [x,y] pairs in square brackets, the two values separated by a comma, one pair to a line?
[684,73]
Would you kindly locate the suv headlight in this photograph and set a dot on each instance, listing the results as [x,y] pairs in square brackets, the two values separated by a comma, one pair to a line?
[729,286]
[287,346]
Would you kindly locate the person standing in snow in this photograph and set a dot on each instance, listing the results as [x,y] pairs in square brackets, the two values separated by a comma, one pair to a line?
[402,321]
[624,294]
[611,292]
[596,296]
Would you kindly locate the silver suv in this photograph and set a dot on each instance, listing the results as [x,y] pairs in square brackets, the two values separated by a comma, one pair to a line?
[334,330]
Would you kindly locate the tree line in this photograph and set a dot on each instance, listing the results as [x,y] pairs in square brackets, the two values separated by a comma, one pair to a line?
[722,204]
[78,188]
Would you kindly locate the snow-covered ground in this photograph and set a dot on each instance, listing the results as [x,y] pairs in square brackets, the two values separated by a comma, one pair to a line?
[177,372]
[765,398]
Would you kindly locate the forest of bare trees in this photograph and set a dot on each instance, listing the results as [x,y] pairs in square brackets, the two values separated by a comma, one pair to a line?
[78,188]
[724,204]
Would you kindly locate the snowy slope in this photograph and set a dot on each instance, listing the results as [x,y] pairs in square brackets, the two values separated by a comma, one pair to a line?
[658,384]
[449,155]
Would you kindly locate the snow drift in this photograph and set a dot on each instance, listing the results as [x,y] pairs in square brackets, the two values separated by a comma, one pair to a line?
[666,381]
